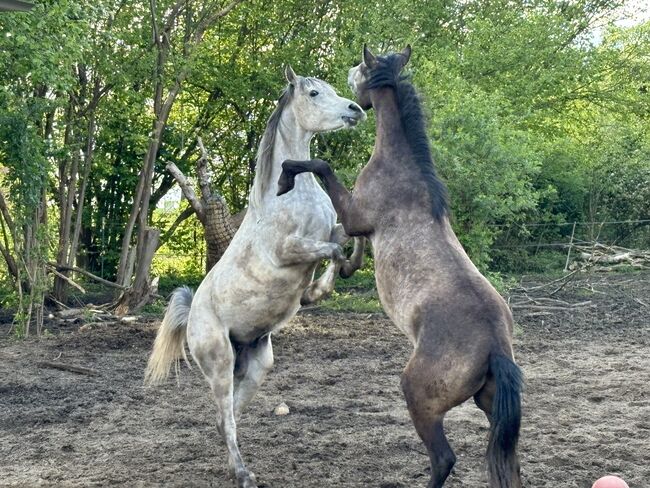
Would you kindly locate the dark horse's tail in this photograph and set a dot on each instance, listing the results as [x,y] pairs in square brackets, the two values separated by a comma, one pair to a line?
[503,463]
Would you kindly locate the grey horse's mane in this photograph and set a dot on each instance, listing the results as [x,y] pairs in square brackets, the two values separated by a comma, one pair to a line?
[264,162]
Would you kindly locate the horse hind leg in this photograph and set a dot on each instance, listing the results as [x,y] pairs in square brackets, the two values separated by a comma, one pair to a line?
[427,410]
[215,356]
[252,363]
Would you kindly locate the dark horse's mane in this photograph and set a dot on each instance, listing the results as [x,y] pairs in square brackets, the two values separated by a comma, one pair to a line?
[387,75]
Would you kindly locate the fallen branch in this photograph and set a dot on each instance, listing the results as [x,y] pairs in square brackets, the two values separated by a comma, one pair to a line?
[546,285]
[559,305]
[61,267]
[68,367]
[67,279]
[537,314]
[603,255]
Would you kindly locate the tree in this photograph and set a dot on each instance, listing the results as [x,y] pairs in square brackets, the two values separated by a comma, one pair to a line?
[176,32]
[211,209]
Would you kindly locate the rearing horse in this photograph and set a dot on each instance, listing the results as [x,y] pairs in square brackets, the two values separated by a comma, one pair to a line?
[460,327]
[259,282]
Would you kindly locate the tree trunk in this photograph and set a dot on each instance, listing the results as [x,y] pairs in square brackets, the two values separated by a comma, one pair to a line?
[67,186]
[139,294]
[5,247]
[162,105]
[219,226]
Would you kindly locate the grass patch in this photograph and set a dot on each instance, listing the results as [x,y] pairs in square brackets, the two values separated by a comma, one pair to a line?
[355,294]
[352,301]
[155,309]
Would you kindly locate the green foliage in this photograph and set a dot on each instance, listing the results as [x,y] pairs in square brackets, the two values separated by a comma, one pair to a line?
[155,309]
[501,282]
[533,117]
[489,166]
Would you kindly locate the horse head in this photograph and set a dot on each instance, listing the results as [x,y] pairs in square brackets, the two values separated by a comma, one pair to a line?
[317,107]
[360,77]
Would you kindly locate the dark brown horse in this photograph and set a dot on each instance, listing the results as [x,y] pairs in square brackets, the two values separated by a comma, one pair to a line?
[460,327]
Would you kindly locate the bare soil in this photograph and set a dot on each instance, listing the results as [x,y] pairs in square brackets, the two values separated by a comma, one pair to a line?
[587,405]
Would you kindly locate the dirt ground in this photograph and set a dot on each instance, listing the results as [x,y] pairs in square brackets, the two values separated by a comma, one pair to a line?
[587,405]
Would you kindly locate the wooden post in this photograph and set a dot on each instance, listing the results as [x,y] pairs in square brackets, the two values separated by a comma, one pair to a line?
[568,254]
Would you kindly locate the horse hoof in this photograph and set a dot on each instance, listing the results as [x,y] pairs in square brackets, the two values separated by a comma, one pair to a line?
[285,184]
[246,480]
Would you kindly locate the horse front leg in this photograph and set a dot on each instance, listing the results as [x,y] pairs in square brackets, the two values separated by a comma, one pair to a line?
[301,250]
[324,285]
[352,217]
[355,262]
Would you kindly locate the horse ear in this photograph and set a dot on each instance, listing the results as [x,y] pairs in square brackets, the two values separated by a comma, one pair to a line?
[406,54]
[290,75]
[369,59]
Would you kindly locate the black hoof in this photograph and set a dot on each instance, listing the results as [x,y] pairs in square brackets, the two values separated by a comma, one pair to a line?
[285,183]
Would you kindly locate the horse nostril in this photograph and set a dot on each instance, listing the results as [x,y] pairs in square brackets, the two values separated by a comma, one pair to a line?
[354,107]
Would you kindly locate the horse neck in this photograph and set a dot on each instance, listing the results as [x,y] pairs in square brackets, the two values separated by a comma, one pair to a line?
[291,142]
[393,149]
[390,133]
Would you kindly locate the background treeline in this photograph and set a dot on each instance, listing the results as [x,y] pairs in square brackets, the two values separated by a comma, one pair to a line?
[538,114]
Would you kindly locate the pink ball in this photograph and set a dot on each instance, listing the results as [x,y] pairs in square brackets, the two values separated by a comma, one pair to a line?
[610,482]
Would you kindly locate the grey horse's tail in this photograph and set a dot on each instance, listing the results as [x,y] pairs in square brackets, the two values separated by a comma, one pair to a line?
[169,346]
[503,465]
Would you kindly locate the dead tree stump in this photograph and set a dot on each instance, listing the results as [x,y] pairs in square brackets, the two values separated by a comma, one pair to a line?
[219,225]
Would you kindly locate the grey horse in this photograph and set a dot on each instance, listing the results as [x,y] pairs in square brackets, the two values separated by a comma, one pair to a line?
[267,270]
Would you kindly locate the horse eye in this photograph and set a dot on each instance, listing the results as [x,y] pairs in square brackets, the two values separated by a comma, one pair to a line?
[313,93]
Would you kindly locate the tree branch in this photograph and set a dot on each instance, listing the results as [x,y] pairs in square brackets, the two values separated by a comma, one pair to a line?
[4,209]
[154,22]
[68,280]
[187,189]
[208,21]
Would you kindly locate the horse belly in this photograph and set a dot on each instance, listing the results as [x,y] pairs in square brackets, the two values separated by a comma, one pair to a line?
[405,281]
[259,299]
[252,322]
